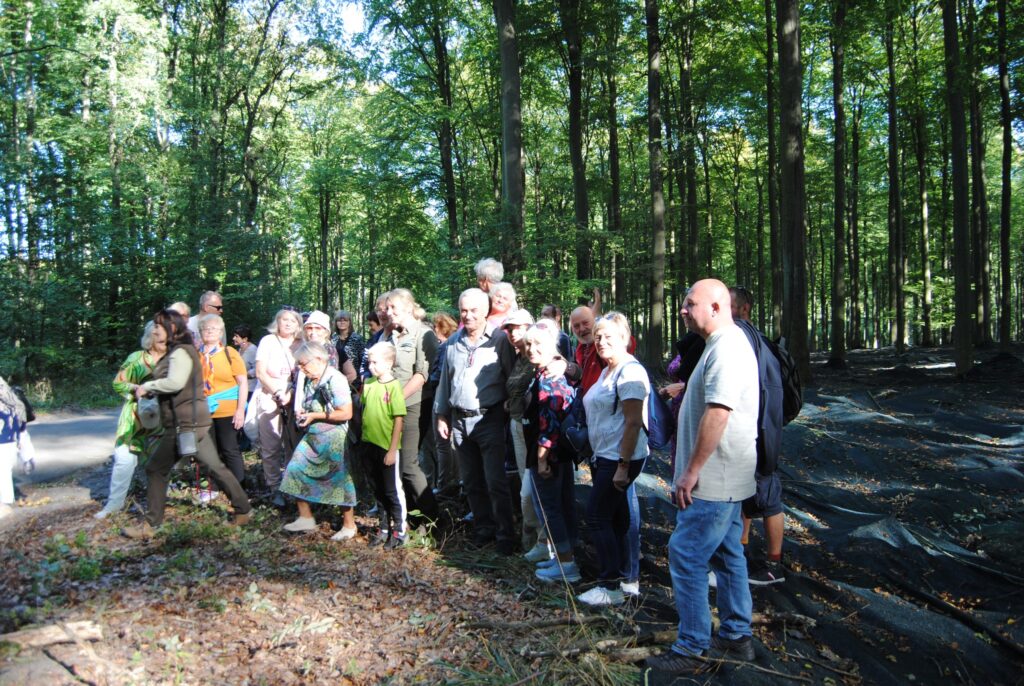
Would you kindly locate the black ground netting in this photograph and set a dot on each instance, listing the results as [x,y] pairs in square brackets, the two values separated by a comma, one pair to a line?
[905,531]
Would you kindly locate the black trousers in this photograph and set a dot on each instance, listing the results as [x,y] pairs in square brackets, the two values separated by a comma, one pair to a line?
[387,487]
[227,445]
[159,468]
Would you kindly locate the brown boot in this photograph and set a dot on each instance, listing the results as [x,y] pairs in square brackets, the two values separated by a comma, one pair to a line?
[142,532]
[241,519]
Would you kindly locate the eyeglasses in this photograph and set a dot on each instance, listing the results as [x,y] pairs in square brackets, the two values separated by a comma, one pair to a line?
[219,308]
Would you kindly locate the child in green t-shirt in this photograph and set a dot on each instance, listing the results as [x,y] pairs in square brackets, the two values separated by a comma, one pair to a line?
[383,415]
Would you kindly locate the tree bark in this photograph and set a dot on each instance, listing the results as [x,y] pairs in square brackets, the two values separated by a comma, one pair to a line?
[856,330]
[569,16]
[898,325]
[1005,277]
[963,301]
[446,137]
[837,353]
[655,342]
[920,154]
[512,172]
[792,187]
[774,238]
[979,203]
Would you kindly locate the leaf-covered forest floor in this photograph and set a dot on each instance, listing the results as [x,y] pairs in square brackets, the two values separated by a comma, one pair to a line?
[904,548]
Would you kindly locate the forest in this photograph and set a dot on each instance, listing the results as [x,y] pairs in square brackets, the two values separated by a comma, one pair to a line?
[857,165]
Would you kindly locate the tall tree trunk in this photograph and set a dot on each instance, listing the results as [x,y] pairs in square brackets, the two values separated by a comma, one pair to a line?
[856,332]
[512,172]
[774,237]
[689,147]
[898,330]
[569,16]
[792,187]
[837,354]
[655,342]
[963,330]
[920,154]
[324,215]
[446,139]
[979,204]
[1005,277]
[615,187]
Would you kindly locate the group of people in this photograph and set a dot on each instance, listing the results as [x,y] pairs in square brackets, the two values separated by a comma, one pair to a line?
[426,406]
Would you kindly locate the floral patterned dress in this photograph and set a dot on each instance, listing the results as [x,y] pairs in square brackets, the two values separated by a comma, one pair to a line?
[319,471]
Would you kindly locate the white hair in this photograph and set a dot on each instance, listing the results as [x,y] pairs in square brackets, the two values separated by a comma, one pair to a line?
[490,270]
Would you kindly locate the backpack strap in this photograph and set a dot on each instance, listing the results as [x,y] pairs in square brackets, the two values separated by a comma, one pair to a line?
[615,385]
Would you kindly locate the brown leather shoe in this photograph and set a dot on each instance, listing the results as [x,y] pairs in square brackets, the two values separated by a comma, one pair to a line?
[241,519]
[142,532]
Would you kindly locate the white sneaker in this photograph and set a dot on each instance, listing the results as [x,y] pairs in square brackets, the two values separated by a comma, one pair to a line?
[538,553]
[103,514]
[599,596]
[712,580]
[630,588]
[345,534]
[300,524]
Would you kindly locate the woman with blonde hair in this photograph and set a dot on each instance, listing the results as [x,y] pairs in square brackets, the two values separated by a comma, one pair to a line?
[616,408]
[275,367]
[415,350]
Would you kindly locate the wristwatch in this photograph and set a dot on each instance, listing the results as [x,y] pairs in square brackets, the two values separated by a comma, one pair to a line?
[623,461]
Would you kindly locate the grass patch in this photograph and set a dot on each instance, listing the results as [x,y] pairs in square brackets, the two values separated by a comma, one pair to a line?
[90,388]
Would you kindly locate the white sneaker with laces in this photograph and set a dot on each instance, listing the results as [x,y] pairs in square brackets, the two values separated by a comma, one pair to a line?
[600,597]
[344,534]
[630,588]
[300,524]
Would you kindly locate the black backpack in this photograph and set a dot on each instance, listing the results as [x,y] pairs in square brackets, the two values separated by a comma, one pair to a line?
[780,395]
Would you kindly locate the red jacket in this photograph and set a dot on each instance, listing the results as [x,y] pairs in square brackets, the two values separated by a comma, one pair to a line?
[592,365]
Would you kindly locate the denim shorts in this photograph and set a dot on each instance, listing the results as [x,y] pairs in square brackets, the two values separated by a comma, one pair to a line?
[767,501]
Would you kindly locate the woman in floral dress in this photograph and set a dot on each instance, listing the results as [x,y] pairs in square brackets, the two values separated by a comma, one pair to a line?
[319,471]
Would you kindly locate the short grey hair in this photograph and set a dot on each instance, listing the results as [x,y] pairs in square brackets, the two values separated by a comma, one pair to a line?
[475,293]
[205,298]
[490,270]
[208,319]
[310,350]
[146,342]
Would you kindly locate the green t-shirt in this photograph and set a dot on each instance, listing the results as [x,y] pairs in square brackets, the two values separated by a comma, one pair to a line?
[382,402]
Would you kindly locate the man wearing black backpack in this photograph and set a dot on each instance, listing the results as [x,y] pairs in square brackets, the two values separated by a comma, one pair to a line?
[716,456]
[767,502]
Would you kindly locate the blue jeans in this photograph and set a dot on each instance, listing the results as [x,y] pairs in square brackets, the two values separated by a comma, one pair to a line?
[608,516]
[708,532]
[633,535]
[555,501]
